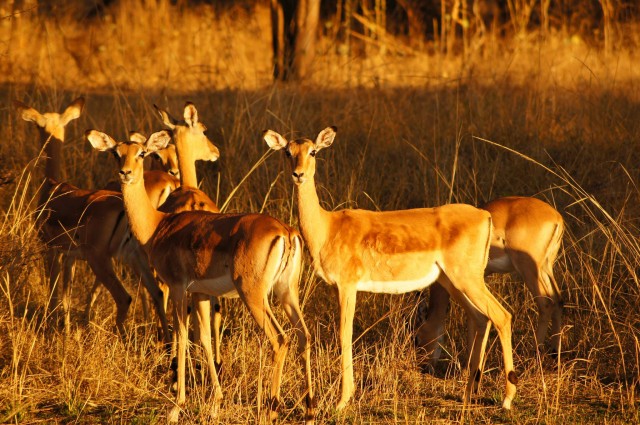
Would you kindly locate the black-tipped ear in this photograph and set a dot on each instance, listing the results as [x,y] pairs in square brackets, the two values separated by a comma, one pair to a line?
[72,111]
[157,141]
[100,141]
[274,140]
[325,137]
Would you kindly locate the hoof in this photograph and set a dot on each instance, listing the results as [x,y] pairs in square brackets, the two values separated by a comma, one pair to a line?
[506,404]
[173,415]
[342,404]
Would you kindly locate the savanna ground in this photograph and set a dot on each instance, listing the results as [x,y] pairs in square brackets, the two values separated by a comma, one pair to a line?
[552,117]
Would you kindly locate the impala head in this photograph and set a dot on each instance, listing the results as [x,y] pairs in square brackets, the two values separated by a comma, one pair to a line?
[167,157]
[51,123]
[301,152]
[189,134]
[131,153]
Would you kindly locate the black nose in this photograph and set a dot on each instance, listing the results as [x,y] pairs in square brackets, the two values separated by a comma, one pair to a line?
[125,172]
[298,175]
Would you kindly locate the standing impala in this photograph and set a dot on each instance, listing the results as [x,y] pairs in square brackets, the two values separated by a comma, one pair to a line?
[83,224]
[526,239]
[396,252]
[208,254]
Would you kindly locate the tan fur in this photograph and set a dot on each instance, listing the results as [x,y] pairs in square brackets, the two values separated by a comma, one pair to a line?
[191,249]
[527,237]
[76,223]
[353,247]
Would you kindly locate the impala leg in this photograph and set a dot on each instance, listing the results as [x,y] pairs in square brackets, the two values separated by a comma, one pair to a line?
[473,294]
[556,317]
[543,294]
[179,298]
[91,300]
[430,333]
[52,267]
[289,301]
[259,307]
[103,270]
[203,311]
[157,295]
[347,297]
[217,336]
[69,267]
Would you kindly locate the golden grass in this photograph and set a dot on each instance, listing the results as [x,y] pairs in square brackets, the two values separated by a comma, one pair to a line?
[413,130]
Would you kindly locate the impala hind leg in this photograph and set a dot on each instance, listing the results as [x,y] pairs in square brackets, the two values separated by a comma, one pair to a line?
[69,271]
[103,270]
[92,297]
[258,305]
[556,317]
[473,294]
[430,333]
[203,312]
[52,268]
[156,293]
[289,300]
[543,292]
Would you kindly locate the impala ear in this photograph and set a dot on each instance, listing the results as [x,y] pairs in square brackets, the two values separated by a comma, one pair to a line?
[325,137]
[166,118]
[191,114]
[29,114]
[158,141]
[274,140]
[73,111]
[100,141]
[136,137]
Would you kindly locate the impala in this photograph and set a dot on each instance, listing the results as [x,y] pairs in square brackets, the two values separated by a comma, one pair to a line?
[526,239]
[193,145]
[209,254]
[159,183]
[83,224]
[396,252]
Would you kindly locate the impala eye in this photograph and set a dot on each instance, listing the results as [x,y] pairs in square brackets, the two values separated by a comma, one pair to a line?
[288,153]
[141,154]
[312,153]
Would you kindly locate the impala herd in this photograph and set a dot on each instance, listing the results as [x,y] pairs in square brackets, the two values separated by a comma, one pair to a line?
[174,236]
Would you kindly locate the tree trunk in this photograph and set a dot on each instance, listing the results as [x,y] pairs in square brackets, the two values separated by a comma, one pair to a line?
[294,25]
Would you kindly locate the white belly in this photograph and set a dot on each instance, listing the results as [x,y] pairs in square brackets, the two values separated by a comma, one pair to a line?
[400,286]
[219,287]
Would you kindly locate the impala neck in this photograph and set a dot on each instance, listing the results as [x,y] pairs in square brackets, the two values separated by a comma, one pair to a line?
[187,167]
[314,220]
[53,164]
[143,217]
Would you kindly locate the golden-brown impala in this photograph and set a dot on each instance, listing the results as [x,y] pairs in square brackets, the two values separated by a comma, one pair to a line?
[526,239]
[395,252]
[83,224]
[208,254]
[158,183]
[193,145]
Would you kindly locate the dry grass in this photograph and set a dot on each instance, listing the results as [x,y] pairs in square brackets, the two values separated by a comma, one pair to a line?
[406,138]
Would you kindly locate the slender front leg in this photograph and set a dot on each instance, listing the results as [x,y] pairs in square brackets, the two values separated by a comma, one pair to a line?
[347,295]
[178,295]
[69,270]
[217,336]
